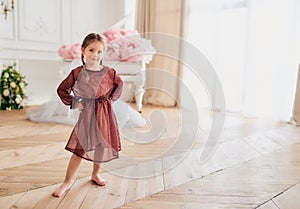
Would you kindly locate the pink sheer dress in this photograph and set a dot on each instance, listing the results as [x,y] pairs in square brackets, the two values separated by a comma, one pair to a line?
[95,136]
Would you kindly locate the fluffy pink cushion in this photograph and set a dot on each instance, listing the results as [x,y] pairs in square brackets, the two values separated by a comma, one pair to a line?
[71,51]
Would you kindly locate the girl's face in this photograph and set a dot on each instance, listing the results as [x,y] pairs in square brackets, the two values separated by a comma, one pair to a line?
[93,53]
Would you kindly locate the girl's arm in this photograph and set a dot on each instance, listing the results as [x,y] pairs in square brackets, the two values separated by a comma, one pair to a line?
[118,86]
[65,88]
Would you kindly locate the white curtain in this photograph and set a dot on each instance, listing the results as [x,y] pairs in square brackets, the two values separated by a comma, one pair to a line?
[161,17]
[272,64]
[253,47]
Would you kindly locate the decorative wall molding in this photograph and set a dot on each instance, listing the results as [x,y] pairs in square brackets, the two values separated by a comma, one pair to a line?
[40,21]
[40,27]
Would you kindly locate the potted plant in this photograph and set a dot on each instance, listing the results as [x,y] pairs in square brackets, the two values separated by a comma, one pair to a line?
[12,85]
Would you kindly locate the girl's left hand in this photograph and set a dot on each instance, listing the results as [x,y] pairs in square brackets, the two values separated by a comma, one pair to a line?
[80,106]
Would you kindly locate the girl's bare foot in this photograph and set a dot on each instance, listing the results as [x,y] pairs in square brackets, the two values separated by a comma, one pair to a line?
[62,189]
[97,180]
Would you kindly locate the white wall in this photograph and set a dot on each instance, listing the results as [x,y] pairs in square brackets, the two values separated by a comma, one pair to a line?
[32,34]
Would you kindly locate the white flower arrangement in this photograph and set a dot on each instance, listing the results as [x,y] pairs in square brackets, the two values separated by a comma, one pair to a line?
[12,85]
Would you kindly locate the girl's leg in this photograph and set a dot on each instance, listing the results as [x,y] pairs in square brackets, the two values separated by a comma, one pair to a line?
[95,175]
[96,168]
[72,167]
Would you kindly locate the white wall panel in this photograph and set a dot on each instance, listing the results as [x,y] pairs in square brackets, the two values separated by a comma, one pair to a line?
[7,26]
[94,16]
[40,20]
[42,78]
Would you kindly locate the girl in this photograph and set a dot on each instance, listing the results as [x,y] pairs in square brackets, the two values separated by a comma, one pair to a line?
[94,87]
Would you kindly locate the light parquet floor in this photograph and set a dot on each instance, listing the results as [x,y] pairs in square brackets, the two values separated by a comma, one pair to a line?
[256,165]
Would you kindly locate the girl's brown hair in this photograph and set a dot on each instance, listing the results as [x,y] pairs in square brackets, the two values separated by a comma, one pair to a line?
[90,38]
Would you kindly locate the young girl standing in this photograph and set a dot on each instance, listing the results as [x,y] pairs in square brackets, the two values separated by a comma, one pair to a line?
[91,88]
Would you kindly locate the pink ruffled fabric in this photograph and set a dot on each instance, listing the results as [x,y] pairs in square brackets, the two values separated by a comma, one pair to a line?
[127,46]
[72,51]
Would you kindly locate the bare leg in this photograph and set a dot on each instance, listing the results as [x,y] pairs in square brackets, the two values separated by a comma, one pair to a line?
[72,167]
[96,168]
[95,175]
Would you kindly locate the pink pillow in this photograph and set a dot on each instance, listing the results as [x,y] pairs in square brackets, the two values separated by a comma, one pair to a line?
[75,51]
[72,51]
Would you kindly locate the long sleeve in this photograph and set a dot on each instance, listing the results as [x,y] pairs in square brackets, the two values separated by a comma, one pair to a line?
[118,86]
[65,88]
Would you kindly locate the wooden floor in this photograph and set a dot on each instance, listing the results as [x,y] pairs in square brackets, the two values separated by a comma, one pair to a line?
[256,165]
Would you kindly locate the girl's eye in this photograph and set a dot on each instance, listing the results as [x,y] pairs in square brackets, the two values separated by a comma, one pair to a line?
[99,52]
[91,50]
